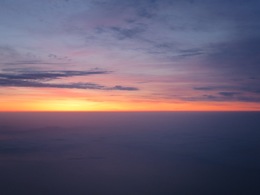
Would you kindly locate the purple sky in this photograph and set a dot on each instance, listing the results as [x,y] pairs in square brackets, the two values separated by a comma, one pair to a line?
[142,50]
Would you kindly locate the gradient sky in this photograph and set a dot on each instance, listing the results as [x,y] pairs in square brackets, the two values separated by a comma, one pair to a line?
[129,55]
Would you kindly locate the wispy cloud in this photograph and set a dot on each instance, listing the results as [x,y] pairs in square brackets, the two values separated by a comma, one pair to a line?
[123,33]
[236,88]
[6,51]
[33,62]
[223,98]
[24,83]
[190,52]
[38,79]
[47,75]
[228,94]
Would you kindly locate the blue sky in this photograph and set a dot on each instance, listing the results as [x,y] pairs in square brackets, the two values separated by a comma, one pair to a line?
[139,51]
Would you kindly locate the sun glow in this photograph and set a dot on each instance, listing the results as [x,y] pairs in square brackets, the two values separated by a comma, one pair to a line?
[65,101]
[69,105]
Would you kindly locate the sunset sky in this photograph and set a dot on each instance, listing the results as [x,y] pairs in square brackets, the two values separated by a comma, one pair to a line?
[129,55]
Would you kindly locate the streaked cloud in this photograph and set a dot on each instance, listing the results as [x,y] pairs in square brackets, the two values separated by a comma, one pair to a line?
[39,79]
[239,88]
[48,75]
[36,84]
[223,98]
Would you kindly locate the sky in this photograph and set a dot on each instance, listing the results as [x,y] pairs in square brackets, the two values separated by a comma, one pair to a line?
[138,55]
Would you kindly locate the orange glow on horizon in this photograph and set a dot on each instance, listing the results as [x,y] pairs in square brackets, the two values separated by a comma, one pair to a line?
[55,100]
[80,105]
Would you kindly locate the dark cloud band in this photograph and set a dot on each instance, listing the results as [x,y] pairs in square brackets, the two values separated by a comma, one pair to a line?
[36,84]
[47,75]
[38,79]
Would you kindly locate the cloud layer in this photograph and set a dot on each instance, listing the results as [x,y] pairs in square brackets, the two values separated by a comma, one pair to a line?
[38,79]
[181,50]
[47,75]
